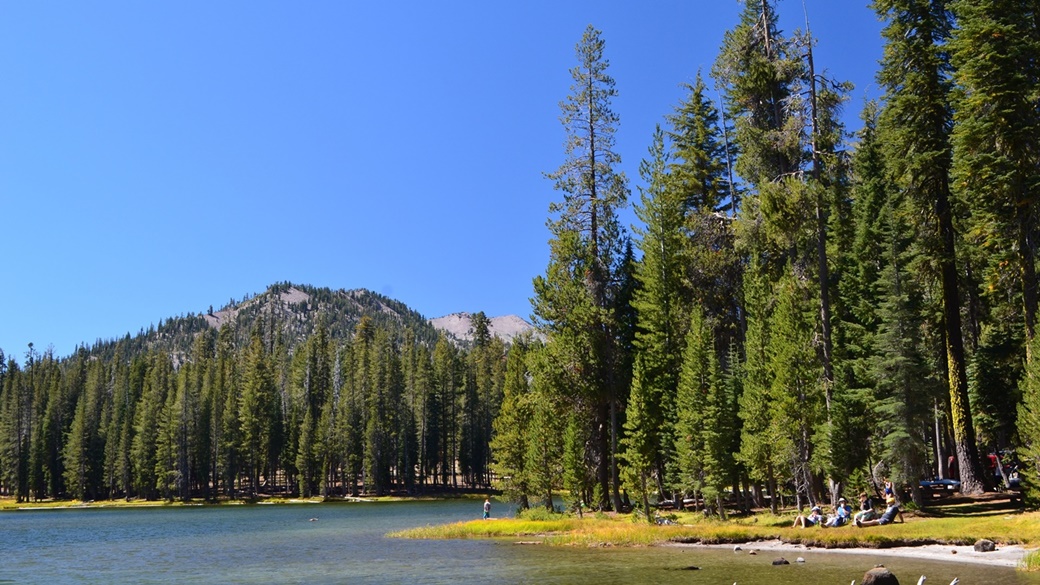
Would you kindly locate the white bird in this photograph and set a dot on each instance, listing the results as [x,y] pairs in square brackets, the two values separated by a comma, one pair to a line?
[955,581]
[921,580]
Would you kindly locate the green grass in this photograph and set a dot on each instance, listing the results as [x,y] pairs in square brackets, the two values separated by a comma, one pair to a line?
[1031,562]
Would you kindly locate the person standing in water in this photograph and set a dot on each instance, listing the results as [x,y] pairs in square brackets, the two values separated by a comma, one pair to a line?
[487,508]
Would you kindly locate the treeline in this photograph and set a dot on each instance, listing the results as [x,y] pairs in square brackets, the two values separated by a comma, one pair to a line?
[808,310]
[799,312]
[380,412]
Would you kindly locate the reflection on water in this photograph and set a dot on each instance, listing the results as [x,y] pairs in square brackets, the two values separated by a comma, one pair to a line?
[345,543]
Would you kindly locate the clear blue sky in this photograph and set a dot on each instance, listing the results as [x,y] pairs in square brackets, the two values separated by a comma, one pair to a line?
[159,158]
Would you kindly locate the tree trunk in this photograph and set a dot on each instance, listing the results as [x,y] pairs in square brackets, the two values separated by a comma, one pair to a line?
[603,463]
[972,477]
[1027,269]
[773,507]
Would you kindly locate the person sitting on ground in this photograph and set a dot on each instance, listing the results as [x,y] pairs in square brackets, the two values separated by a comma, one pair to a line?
[814,518]
[842,514]
[866,509]
[890,515]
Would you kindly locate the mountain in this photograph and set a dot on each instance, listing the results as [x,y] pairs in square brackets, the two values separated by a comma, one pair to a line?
[293,311]
[458,326]
[288,310]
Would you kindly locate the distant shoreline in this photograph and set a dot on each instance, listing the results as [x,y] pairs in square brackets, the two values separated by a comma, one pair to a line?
[9,505]
[1005,556]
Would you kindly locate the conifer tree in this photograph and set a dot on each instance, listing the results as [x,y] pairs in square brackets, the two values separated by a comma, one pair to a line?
[118,430]
[761,452]
[720,435]
[903,400]
[550,416]
[256,408]
[692,406]
[577,478]
[660,304]
[1029,428]
[574,300]
[355,359]
[167,471]
[227,456]
[996,124]
[512,425]
[445,440]
[795,382]
[157,387]
[641,449]
[916,122]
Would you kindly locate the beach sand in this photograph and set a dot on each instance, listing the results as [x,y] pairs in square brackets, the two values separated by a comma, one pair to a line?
[1004,556]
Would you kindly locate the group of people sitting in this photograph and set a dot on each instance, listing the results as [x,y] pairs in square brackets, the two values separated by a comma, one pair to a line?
[866,516]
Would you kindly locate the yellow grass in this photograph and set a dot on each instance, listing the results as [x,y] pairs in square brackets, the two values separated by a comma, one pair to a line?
[1011,528]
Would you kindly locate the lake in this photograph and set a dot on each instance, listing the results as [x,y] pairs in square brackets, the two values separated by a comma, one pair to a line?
[346,543]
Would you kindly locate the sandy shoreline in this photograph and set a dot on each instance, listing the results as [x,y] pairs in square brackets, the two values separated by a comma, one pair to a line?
[1004,556]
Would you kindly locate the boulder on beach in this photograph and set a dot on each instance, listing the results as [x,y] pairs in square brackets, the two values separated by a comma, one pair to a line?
[985,545]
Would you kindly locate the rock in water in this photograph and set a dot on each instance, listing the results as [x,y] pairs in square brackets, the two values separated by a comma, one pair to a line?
[985,545]
[879,576]
[799,560]
[780,561]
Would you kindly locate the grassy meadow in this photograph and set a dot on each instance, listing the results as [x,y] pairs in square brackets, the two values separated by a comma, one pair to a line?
[955,523]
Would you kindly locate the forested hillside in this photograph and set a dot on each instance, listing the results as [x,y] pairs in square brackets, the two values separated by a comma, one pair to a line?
[299,390]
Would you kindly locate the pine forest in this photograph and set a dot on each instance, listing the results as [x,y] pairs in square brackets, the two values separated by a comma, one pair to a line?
[798,312]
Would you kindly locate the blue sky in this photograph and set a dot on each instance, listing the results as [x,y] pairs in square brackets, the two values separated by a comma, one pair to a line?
[159,158]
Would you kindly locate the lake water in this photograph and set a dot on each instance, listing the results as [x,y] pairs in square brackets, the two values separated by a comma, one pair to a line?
[347,544]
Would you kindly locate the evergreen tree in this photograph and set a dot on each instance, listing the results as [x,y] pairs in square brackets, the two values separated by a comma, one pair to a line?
[256,409]
[692,407]
[759,68]
[119,428]
[660,303]
[544,460]
[764,448]
[509,444]
[996,124]
[1029,429]
[147,413]
[577,479]
[899,368]
[444,437]
[574,300]
[916,122]
[641,450]
[355,358]
[84,446]
[799,406]
[719,435]
[168,434]
[227,458]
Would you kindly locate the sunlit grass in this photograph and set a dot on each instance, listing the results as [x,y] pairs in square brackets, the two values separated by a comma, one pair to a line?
[1031,562]
[622,530]
[12,504]
[495,528]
